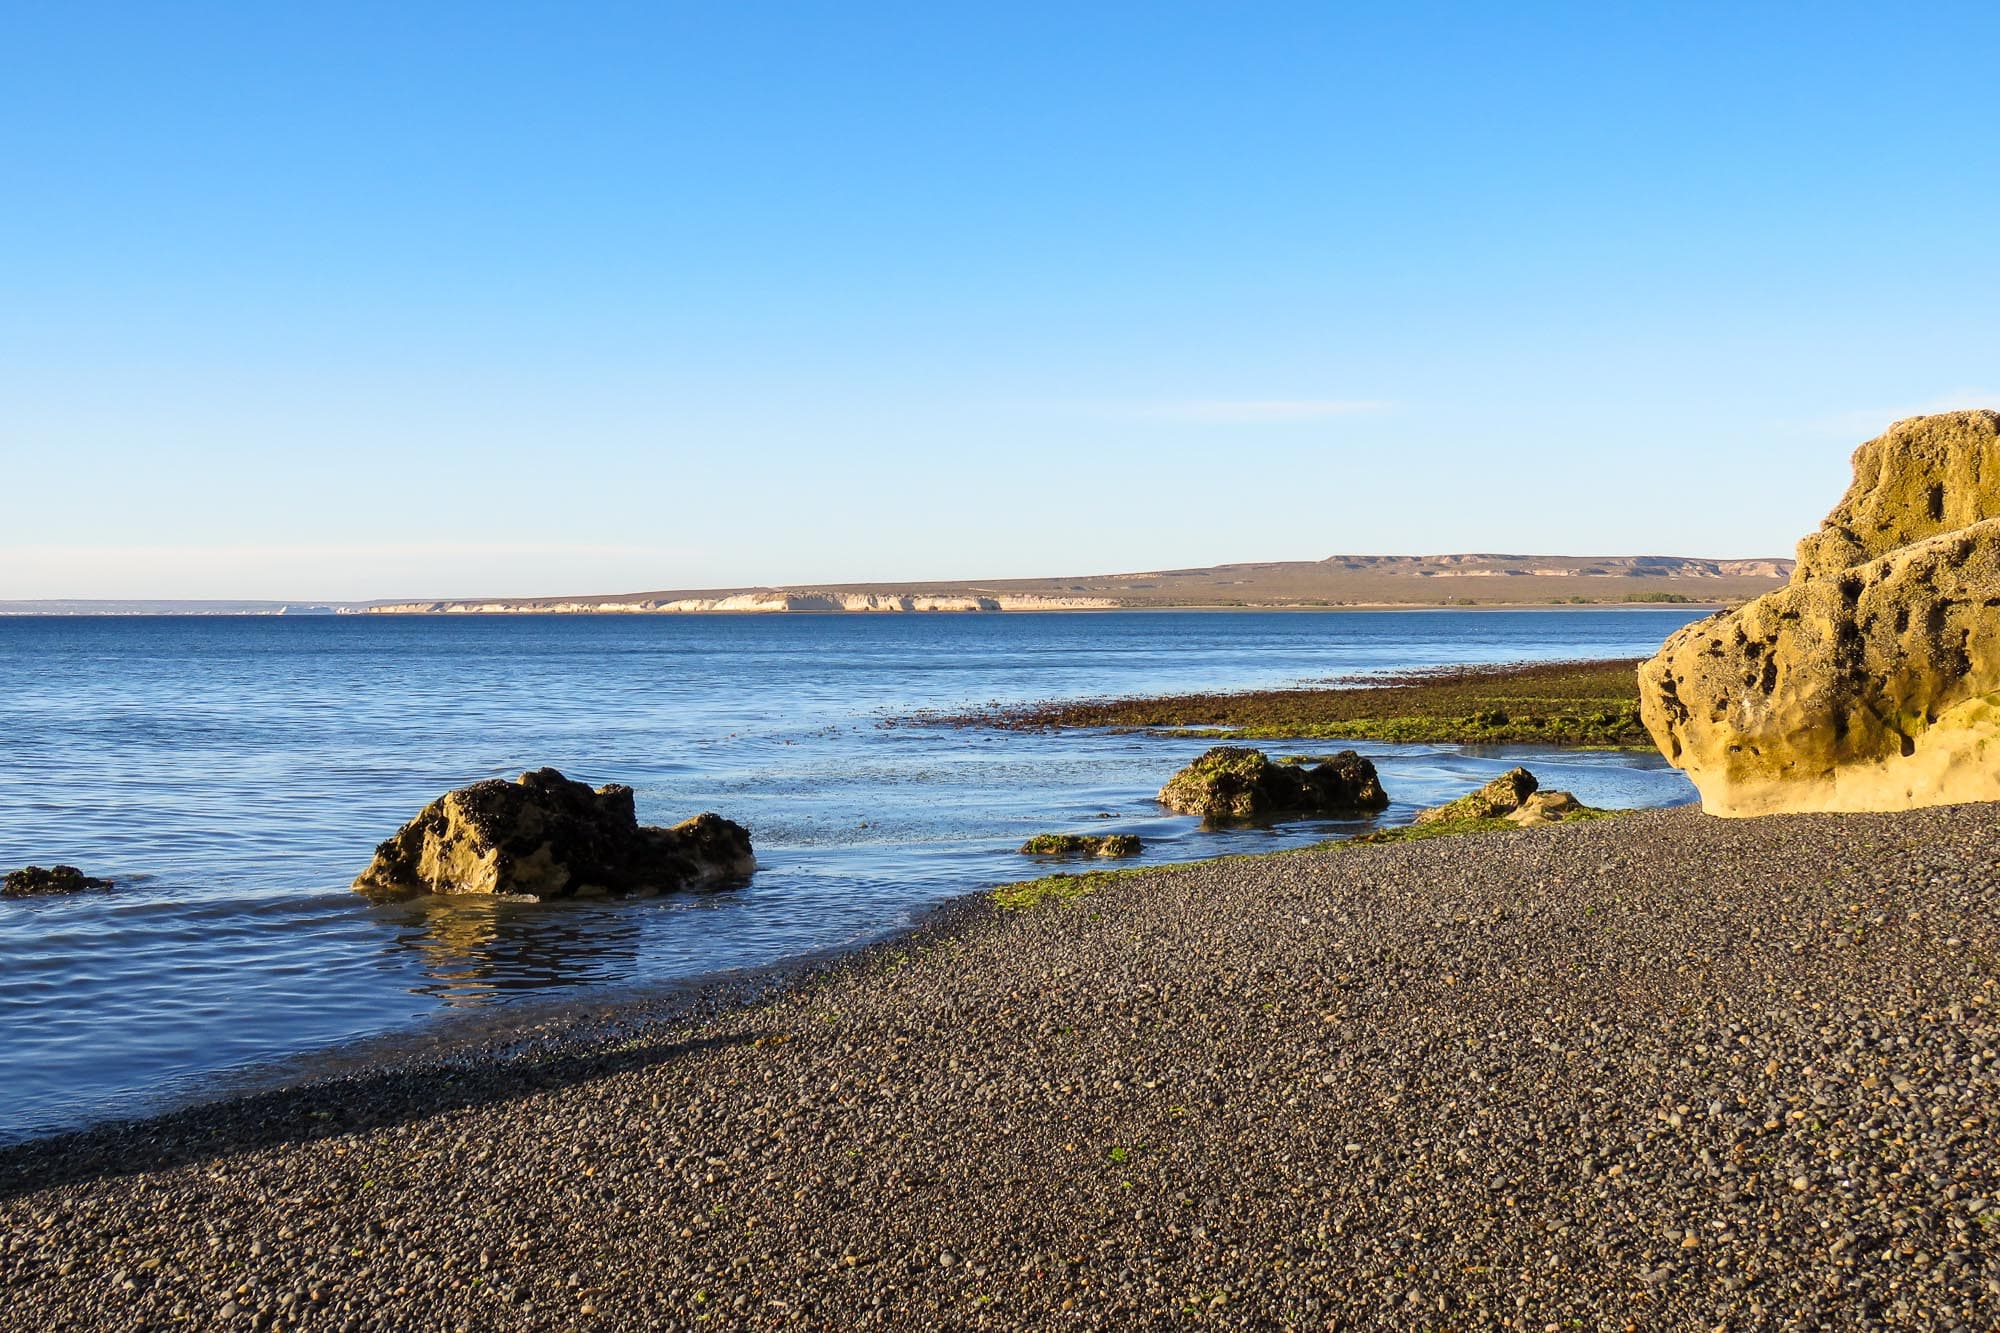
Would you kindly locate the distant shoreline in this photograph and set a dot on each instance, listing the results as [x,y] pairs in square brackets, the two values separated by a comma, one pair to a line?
[1337,583]
[606,613]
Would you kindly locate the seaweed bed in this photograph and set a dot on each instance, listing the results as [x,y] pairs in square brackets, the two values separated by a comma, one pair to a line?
[1579,704]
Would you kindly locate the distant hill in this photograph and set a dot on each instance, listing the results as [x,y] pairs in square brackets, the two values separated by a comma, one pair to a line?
[1341,580]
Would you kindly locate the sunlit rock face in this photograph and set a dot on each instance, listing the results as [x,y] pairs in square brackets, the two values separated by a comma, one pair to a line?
[545,836]
[1872,680]
[1502,796]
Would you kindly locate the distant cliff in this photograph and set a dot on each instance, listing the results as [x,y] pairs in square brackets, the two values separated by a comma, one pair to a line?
[777,599]
[1342,580]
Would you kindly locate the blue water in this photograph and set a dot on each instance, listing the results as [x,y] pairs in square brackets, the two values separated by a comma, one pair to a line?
[234,774]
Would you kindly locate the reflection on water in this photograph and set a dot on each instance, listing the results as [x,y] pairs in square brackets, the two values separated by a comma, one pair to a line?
[234,774]
[471,948]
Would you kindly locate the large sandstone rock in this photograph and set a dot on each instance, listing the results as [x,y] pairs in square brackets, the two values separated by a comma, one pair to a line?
[1872,680]
[545,836]
[1232,782]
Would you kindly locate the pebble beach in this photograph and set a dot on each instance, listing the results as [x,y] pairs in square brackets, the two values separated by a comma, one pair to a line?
[1661,1071]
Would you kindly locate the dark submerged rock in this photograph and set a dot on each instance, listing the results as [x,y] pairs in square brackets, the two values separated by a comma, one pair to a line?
[1233,782]
[35,882]
[546,836]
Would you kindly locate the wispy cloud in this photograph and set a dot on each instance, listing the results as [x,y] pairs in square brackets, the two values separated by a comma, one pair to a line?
[330,571]
[1260,411]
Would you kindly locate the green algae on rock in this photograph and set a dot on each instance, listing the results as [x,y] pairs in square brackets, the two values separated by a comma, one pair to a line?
[1452,828]
[1107,845]
[1502,796]
[1515,798]
[1231,782]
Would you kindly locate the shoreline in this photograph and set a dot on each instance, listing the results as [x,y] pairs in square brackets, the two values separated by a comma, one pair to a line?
[521,1029]
[443,963]
[351,612]
[512,1036]
[1547,1074]
[1150,609]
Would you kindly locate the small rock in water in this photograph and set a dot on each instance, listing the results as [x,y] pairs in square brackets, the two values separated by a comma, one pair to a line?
[35,882]
[545,836]
[1233,782]
[1502,796]
[1514,796]
[1109,845]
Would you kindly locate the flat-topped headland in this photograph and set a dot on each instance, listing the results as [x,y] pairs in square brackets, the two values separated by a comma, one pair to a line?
[1353,581]
[1659,1071]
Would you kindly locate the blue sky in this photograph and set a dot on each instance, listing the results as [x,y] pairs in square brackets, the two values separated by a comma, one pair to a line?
[383,300]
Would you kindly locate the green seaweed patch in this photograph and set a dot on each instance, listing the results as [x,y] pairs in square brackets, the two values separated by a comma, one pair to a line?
[1574,705]
[1609,729]
[1059,888]
[1451,828]
[1065,886]
[1081,844]
[1068,886]
[1443,828]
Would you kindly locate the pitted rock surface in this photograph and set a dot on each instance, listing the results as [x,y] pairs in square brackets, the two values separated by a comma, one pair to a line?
[1872,680]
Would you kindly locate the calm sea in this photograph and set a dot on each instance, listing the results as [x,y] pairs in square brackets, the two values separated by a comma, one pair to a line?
[233,775]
